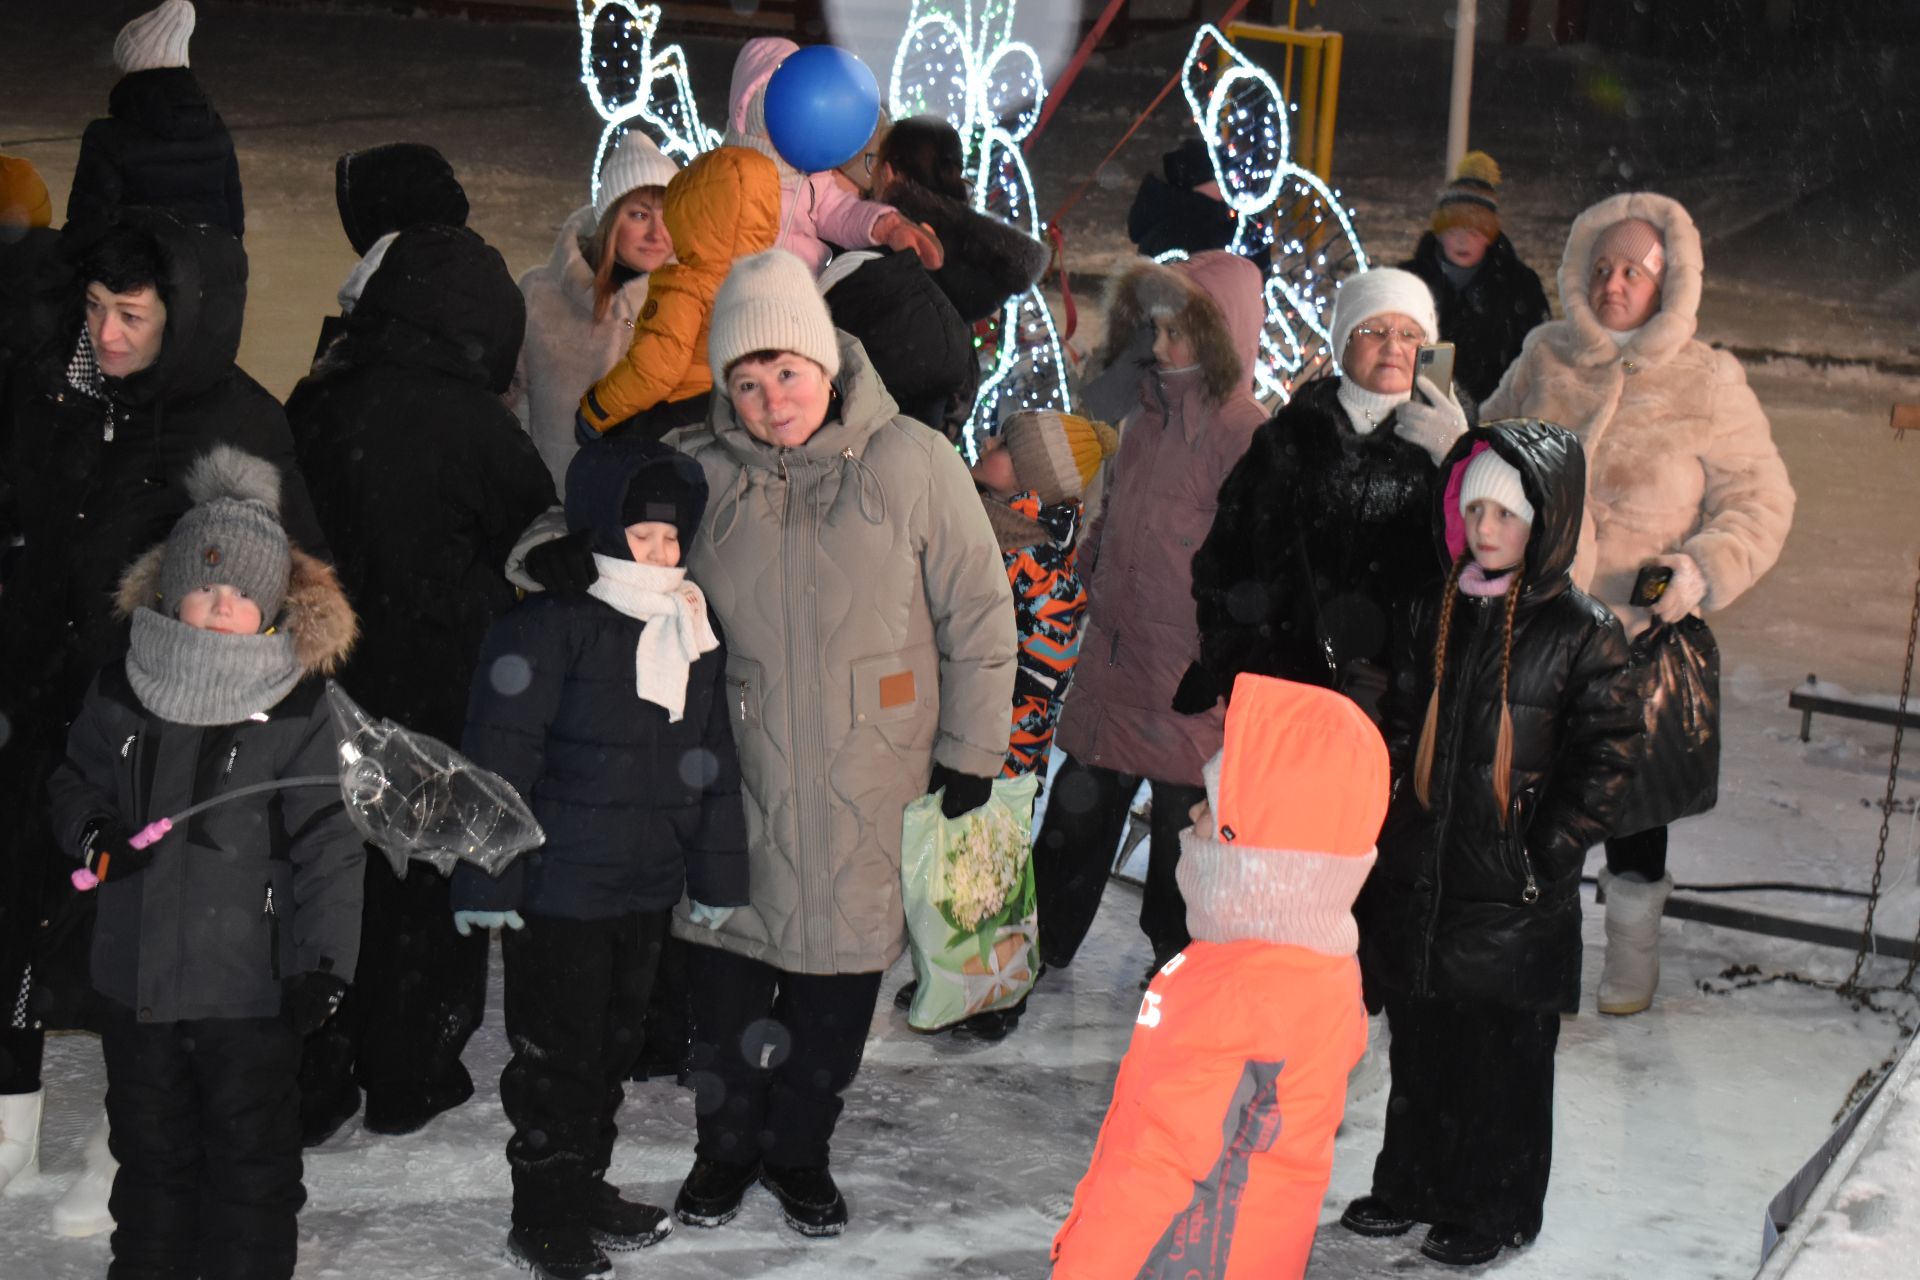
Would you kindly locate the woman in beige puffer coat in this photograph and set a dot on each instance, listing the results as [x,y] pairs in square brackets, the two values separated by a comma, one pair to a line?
[1681,472]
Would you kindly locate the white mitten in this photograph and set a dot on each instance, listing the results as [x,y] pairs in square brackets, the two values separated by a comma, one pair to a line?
[1435,425]
[1684,594]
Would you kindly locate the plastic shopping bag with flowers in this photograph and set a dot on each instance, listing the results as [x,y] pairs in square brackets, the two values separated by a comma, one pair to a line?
[971,919]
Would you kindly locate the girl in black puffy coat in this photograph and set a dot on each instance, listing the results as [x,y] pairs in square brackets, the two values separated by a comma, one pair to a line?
[608,712]
[1514,730]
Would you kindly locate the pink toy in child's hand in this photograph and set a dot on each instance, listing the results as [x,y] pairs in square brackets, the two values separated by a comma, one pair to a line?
[151,832]
[84,880]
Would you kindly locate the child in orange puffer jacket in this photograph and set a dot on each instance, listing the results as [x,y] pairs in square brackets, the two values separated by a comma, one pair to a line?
[1217,1148]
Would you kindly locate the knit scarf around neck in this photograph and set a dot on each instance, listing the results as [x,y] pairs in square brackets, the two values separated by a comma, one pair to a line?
[676,632]
[190,676]
[1368,409]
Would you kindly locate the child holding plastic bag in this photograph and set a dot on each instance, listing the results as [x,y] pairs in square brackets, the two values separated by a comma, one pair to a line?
[608,712]
[1515,730]
[1217,1148]
[218,946]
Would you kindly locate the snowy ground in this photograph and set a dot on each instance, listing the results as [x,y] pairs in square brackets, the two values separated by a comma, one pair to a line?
[1675,1127]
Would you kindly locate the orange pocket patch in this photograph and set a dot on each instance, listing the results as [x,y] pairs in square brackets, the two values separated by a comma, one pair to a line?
[896,690]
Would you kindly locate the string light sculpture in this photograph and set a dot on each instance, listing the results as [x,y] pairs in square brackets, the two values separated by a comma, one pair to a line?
[1282,209]
[633,85]
[958,60]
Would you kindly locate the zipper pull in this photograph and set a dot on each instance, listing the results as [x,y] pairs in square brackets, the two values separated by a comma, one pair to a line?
[743,702]
[267,909]
[232,752]
[126,748]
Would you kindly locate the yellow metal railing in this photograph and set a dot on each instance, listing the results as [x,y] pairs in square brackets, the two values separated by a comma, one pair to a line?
[1318,96]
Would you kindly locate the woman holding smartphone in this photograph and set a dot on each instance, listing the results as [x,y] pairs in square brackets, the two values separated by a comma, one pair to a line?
[1682,477]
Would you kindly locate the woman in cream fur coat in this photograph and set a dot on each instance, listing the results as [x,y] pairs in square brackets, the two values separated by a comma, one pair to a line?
[1681,471]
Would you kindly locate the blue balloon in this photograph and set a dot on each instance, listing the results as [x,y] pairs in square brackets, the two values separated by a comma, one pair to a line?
[822,105]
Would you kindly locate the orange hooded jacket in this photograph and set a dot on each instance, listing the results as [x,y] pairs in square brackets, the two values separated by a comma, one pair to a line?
[724,205]
[1215,1154]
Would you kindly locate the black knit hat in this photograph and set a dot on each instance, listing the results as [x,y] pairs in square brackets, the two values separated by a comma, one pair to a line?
[613,483]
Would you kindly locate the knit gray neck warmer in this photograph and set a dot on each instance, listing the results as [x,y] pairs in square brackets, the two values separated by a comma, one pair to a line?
[190,676]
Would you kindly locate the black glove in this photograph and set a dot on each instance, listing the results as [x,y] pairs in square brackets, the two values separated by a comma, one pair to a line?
[106,852]
[965,791]
[309,999]
[565,565]
[1198,692]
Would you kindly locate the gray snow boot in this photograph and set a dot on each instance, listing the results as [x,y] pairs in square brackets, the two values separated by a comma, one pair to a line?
[1632,970]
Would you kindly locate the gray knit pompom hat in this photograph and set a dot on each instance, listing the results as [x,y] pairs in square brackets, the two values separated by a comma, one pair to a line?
[232,535]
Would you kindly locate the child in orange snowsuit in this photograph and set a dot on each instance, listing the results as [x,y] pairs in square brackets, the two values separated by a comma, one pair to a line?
[724,205]
[1216,1151]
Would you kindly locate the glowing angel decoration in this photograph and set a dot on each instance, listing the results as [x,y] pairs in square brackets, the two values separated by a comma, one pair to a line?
[636,86]
[959,60]
[1243,120]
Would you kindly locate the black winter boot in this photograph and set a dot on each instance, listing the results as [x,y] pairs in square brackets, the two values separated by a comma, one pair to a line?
[712,1193]
[559,1253]
[398,1109]
[1372,1216]
[810,1198]
[1458,1245]
[622,1225]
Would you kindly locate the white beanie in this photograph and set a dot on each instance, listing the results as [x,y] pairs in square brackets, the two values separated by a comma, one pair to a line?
[157,38]
[633,163]
[1375,293]
[769,302]
[1491,476]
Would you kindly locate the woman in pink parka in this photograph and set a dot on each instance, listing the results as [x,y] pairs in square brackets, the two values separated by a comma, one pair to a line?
[1193,420]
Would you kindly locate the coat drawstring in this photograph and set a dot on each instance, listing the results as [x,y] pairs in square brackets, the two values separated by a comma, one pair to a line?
[865,475]
[735,500]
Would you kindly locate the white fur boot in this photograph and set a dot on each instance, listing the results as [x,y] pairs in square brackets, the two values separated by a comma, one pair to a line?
[20,1138]
[1632,970]
[83,1212]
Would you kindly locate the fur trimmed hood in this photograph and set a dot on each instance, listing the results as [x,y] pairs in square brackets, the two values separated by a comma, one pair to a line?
[1672,326]
[1215,297]
[316,613]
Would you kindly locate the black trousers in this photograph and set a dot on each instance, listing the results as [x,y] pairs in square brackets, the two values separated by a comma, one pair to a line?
[772,1053]
[576,1015]
[419,990]
[1644,851]
[669,1016]
[204,1119]
[1469,1115]
[1074,856]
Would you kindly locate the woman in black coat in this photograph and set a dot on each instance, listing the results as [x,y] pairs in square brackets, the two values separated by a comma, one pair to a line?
[423,479]
[1470,922]
[161,143]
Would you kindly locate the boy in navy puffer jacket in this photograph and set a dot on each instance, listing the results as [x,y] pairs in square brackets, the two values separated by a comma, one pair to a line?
[608,712]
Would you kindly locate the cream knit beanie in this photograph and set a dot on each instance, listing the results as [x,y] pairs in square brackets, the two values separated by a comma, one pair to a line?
[1375,293]
[157,38]
[769,302]
[1491,476]
[633,163]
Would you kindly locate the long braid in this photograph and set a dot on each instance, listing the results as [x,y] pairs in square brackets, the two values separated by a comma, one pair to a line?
[1430,731]
[1503,745]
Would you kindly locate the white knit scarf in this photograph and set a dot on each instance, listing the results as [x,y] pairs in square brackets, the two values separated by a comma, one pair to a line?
[677,630]
[1368,409]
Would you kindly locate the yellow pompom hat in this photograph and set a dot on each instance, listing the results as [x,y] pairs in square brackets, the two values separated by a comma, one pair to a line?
[1472,199]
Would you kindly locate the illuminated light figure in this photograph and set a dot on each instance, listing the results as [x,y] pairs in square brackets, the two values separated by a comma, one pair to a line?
[1280,206]
[633,85]
[958,60]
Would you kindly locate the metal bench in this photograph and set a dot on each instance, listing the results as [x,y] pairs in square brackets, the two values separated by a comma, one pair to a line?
[1808,703]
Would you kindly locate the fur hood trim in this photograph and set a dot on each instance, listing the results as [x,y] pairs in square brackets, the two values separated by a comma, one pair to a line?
[1000,246]
[1672,326]
[1153,286]
[316,613]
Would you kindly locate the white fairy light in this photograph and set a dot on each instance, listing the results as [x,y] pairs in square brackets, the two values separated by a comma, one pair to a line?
[958,60]
[1242,117]
[633,85]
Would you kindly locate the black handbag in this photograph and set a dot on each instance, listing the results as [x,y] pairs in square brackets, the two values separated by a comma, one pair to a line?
[1676,668]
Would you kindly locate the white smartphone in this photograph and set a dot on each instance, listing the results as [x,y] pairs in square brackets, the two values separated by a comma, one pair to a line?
[1435,362]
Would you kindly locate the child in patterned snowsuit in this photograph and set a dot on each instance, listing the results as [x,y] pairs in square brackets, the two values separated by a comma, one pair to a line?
[1032,476]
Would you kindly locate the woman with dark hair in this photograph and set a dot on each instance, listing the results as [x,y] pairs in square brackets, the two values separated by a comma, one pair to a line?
[920,170]
[582,304]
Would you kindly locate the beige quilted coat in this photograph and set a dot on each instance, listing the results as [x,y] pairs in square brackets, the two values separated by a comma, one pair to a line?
[1680,457]
[869,633]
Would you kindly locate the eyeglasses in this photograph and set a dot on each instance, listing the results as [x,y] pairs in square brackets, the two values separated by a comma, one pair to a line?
[1411,337]
[867,158]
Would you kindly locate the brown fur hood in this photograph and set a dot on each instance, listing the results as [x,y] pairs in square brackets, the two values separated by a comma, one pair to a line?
[1216,299]
[1582,340]
[316,613]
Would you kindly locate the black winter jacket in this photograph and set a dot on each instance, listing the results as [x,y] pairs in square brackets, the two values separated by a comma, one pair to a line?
[85,504]
[422,477]
[245,893]
[986,261]
[161,144]
[1320,545]
[637,809]
[1488,319]
[916,340]
[1461,905]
